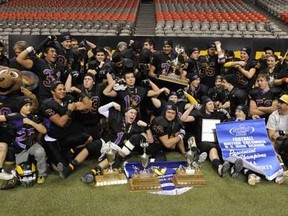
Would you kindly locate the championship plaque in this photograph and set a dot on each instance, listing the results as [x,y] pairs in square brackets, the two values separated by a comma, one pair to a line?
[144,180]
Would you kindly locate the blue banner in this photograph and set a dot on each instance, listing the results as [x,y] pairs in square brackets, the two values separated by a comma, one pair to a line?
[249,141]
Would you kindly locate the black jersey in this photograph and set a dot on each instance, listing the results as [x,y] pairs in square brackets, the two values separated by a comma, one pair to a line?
[210,68]
[160,127]
[47,74]
[242,81]
[236,97]
[192,66]
[132,97]
[262,99]
[24,135]
[161,62]
[217,94]
[90,117]
[199,116]
[7,106]
[199,92]
[50,107]
[120,131]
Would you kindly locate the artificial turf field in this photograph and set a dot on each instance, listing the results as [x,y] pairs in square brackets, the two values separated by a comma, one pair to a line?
[221,196]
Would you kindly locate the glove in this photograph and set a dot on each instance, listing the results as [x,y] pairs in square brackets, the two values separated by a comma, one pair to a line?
[74,74]
[30,49]
[180,93]
[224,111]
[182,133]
[52,37]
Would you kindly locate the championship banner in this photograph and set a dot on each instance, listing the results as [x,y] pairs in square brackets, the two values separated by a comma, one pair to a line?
[249,141]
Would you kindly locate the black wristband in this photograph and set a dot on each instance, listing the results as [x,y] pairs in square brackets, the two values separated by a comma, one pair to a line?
[68,113]
[147,127]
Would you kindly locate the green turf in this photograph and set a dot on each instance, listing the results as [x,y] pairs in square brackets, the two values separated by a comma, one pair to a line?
[221,196]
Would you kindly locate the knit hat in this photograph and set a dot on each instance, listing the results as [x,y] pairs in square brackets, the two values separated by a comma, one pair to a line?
[231,78]
[91,75]
[21,101]
[205,100]
[189,51]
[55,84]
[117,57]
[247,50]
[211,46]
[168,42]
[136,47]
[65,36]
[192,76]
[170,106]
[244,109]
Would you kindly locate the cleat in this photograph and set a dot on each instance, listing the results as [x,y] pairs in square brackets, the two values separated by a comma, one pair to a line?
[280,178]
[88,178]
[9,184]
[5,176]
[253,179]
[41,179]
[223,169]
[237,167]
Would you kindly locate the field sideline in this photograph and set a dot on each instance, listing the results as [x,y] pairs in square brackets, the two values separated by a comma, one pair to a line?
[221,196]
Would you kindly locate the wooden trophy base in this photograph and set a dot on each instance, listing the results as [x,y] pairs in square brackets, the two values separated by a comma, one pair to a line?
[145,182]
[182,179]
[173,79]
[111,178]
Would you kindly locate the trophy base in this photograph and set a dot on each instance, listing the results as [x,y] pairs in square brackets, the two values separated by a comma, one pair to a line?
[184,179]
[173,79]
[111,178]
[144,182]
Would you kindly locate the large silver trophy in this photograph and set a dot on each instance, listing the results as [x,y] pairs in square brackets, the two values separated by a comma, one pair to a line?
[110,155]
[111,176]
[144,180]
[144,158]
[190,175]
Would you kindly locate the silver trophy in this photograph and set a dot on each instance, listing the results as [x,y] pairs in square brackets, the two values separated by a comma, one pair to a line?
[144,158]
[110,155]
[190,157]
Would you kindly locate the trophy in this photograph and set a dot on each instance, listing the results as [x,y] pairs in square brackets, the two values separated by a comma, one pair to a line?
[190,175]
[110,155]
[144,158]
[190,159]
[111,176]
[144,180]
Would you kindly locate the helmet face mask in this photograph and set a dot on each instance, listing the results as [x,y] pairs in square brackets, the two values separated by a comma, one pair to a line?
[27,173]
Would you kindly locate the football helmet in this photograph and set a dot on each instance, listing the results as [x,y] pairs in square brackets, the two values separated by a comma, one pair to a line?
[27,173]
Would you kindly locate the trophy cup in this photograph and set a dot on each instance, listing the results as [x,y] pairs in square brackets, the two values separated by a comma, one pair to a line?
[175,70]
[144,158]
[144,180]
[190,175]
[111,176]
[110,155]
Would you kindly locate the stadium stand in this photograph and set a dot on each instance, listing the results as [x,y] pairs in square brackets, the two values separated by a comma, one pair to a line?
[219,18]
[181,18]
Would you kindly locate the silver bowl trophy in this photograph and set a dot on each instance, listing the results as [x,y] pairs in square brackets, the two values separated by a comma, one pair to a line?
[111,176]
[144,180]
[191,175]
